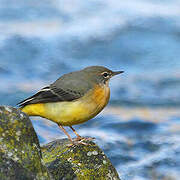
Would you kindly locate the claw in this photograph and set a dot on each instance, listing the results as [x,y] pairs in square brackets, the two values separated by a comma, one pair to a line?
[80,140]
[75,143]
[84,139]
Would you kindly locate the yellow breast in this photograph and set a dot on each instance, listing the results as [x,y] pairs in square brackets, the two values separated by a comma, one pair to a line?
[74,112]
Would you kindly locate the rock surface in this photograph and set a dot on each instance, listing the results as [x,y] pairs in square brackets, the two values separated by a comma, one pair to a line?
[20,154]
[77,162]
[22,158]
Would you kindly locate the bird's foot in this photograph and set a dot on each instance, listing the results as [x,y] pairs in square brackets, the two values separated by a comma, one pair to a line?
[81,140]
[75,143]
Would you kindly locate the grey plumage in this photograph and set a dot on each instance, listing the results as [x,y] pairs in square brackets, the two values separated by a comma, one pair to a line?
[63,89]
[68,87]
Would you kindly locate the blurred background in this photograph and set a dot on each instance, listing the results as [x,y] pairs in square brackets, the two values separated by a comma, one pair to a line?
[140,128]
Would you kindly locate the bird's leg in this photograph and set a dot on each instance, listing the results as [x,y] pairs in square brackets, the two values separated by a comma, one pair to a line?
[69,137]
[65,132]
[78,136]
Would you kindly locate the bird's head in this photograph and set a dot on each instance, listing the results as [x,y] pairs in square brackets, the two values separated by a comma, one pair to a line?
[100,74]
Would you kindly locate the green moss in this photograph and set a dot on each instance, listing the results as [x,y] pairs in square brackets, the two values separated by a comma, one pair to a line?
[83,162]
[19,144]
[22,158]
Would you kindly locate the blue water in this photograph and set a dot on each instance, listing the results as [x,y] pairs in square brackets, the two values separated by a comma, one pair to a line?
[39,41]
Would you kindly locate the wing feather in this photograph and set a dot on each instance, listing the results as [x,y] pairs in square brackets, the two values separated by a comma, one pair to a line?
[48,94]
[68,87]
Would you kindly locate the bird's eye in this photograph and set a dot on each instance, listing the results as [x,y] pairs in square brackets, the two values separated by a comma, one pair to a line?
[105,74]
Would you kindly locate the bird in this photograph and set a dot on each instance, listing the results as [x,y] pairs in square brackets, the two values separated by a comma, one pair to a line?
[72,99]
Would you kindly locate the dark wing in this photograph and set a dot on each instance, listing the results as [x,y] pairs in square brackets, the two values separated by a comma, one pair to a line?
[68,87]
[51,94]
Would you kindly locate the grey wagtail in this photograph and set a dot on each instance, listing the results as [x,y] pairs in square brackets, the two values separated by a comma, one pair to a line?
[72,99]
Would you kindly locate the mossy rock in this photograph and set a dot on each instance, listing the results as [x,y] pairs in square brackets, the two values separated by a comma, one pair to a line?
[22,158]
[20,154]
[77,162]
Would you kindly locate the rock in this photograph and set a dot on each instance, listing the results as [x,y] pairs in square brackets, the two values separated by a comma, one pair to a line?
[77,162]
[22,158]
[20,154]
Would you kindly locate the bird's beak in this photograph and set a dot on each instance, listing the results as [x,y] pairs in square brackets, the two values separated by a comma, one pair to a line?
[117,72]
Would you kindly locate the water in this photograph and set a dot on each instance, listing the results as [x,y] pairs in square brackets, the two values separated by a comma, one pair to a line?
[139,130]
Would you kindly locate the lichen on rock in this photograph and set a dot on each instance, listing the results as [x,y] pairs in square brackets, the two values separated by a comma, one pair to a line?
[80,161]
[22,158]
[20,154]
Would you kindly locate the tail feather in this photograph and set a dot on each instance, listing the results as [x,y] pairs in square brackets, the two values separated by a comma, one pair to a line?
[25,102]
